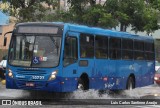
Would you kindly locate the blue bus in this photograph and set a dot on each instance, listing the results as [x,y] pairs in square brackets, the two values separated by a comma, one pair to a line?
[63,57]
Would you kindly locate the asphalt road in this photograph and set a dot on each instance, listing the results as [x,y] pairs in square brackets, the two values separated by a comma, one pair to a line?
[79,99]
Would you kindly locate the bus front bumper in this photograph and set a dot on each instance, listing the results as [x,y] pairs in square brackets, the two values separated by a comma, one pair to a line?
[53,86]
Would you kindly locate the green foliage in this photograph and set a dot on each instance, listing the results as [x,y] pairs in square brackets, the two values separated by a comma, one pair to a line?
[155,4]
[30,10]
[108,21]
[145,20]
[92,15]
[137,13]
[141,15]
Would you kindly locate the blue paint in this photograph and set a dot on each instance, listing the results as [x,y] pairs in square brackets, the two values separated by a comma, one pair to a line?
[115,71]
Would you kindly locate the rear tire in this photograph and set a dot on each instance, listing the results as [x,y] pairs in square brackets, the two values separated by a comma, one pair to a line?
[130,84]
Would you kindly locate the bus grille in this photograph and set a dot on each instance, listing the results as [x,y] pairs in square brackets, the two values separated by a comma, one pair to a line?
[31,72]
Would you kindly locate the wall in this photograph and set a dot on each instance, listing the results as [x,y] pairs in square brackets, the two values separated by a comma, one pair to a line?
[4,49]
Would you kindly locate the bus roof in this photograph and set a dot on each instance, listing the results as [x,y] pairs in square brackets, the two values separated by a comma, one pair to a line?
[90,30]
[107,32]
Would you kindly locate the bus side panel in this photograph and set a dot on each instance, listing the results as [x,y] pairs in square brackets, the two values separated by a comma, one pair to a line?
[99,70]
[89,69]
[105,73]
[70,75]
[147,73]
[151,72]
[143,72]
[116,71]
[124,68]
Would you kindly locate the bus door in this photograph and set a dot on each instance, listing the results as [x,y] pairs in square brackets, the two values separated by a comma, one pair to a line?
[86,69]
[70,61]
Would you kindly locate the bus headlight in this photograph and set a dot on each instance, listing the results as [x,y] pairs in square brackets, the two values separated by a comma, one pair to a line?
[10,74]
[53,75]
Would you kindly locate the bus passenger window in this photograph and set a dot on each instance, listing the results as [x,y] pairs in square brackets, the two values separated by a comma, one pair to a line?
[115,48]
[139,50]
[70,51]
[149,50]
[101,44]
[127,49]
[86,46]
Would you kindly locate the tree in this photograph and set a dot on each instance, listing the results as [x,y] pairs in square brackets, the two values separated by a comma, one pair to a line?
[30,10]
[97,16]
[154,3]
[78,7]
[147,20]
[89,13]
[137,13]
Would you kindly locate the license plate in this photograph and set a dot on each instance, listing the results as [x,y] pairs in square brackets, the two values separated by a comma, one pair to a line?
[29,84]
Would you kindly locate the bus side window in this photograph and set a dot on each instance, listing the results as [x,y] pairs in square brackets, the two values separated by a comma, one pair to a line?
[86,46]
[115,48]
[149,50]
[127,49]
[70,51]
[101,47]
[139,50]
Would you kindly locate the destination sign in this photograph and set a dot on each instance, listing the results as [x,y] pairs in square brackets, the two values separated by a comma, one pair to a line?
[38,29]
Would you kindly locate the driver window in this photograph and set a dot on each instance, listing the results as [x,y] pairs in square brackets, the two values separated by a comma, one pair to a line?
[70,51]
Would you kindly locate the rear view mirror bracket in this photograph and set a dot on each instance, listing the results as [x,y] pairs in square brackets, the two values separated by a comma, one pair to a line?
[5,38]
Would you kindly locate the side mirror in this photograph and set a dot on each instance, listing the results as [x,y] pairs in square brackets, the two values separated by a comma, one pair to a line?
[5,41]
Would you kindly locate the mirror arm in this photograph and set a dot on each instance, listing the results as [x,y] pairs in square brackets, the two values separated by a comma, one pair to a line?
[8,33]
[5,38]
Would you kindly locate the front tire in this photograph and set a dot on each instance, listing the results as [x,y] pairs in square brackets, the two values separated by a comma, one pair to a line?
[82,85]
[130,84]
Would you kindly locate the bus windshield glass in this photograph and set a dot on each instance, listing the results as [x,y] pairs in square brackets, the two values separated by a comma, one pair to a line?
[35,50]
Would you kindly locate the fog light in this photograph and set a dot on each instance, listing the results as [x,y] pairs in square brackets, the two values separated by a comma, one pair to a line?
[53,75]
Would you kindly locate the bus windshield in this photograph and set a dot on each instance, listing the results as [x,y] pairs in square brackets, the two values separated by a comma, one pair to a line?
[35,50]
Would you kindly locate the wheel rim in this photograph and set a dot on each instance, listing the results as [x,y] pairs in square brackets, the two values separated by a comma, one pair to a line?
[80,86]
[130,86]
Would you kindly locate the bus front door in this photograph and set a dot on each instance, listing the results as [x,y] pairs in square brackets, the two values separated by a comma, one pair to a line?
[70,62]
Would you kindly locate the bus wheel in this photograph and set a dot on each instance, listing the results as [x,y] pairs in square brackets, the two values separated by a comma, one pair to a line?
[81,84]
[130,83]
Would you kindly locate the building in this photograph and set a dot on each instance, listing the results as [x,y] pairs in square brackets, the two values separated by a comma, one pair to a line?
[4,27]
